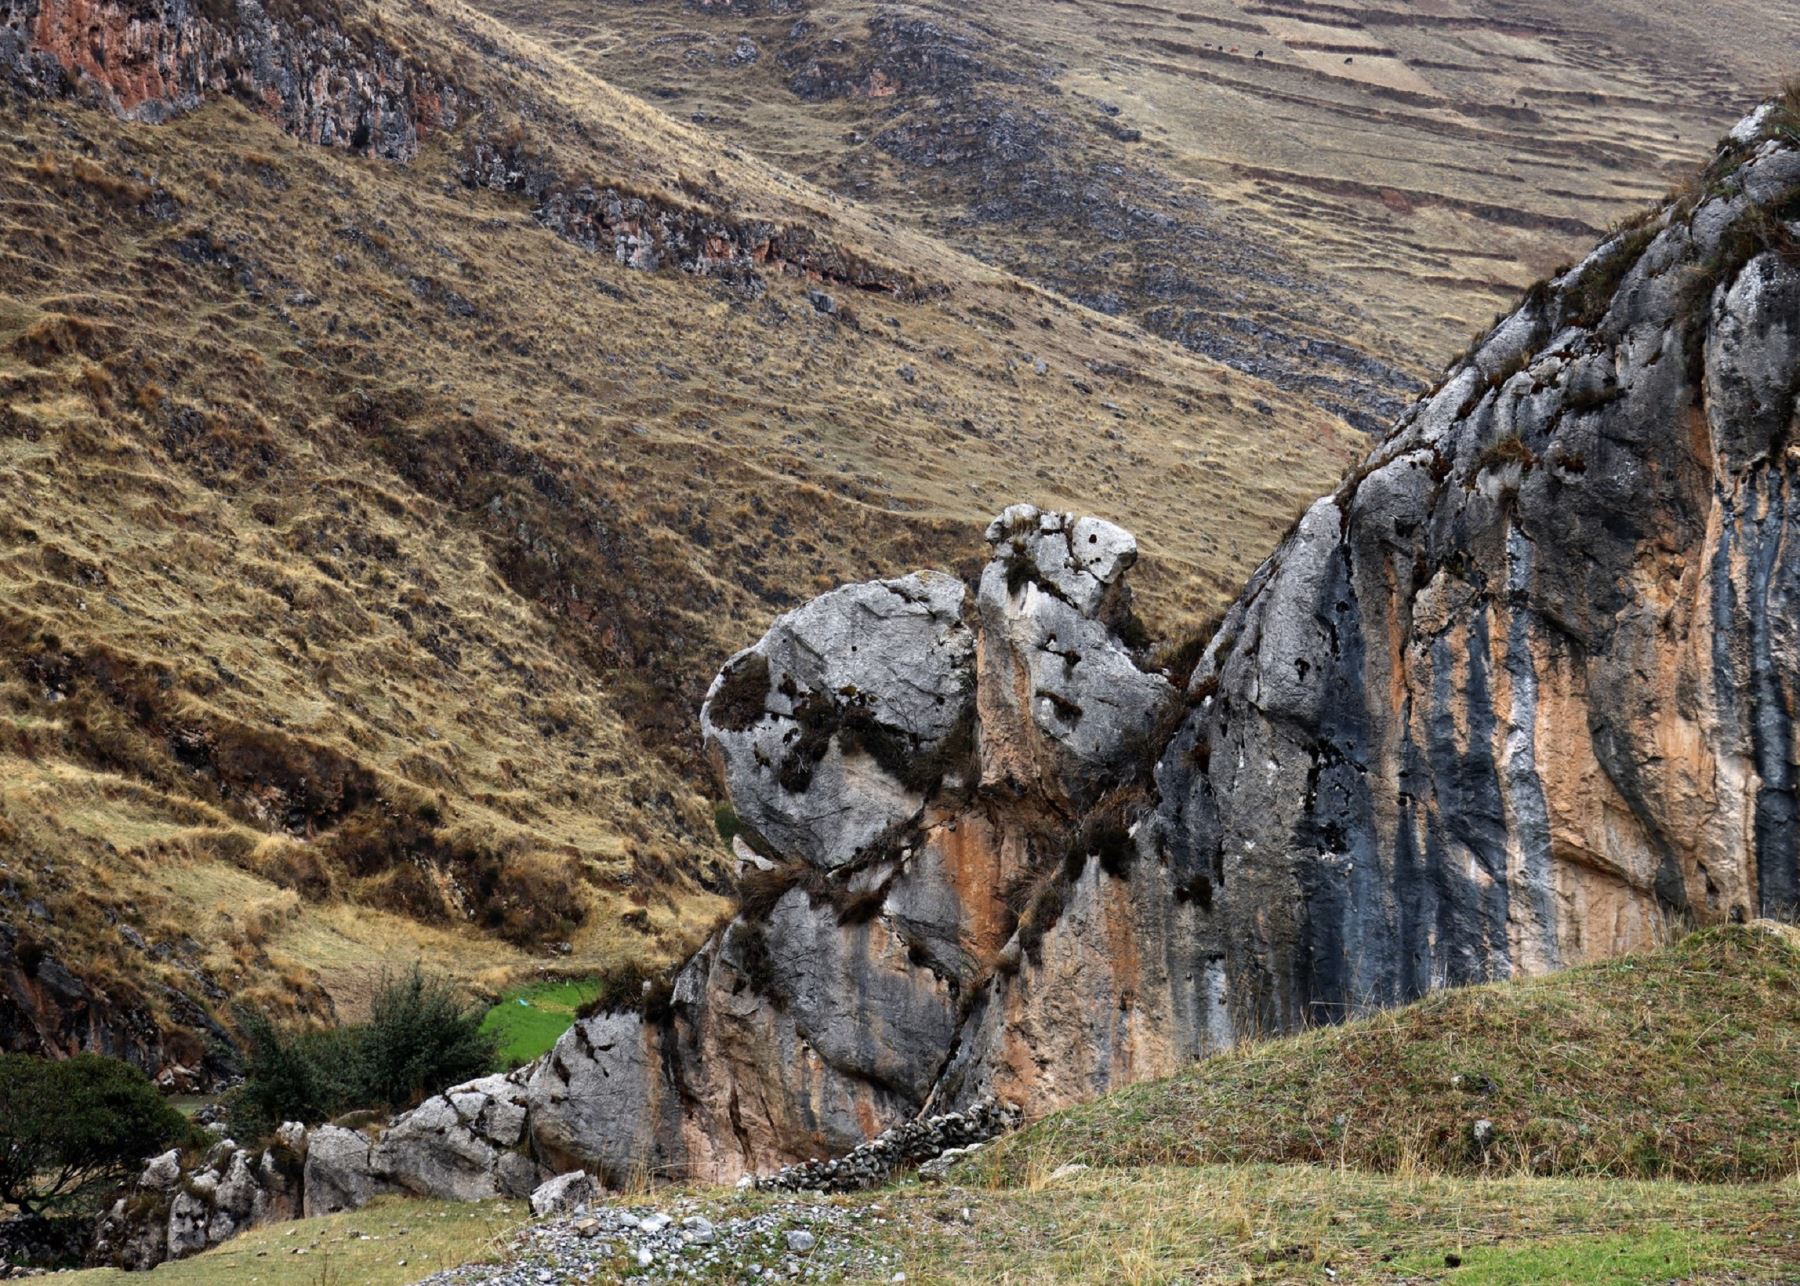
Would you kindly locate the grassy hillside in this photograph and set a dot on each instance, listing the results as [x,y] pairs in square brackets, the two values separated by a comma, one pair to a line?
[366,547]
[1628,1080]
[1678,1064]
[1328,194]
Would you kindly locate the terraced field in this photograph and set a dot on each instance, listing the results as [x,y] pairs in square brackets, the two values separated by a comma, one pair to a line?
[1329,194]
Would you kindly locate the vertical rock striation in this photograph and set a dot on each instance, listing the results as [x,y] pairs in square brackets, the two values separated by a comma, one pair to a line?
[1524,686]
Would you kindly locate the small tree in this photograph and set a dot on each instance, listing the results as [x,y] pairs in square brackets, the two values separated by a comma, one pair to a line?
[422,1038]
[296,1076]
[72,1129]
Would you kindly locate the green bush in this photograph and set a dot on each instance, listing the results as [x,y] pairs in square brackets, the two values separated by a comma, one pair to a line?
[297,1075]
[420,1038]
[70,1130]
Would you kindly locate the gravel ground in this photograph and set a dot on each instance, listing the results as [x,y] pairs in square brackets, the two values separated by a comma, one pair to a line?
[794,1241]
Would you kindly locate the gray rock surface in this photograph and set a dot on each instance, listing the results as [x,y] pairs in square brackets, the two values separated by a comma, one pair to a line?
[1065,709]
[819,731]
[340,1172]
[163,1170]
[561,1195]
[1514,695]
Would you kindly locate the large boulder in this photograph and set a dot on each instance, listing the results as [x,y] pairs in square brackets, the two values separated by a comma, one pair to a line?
[463,1144]
[829,731]
[893,812]
[340,1172]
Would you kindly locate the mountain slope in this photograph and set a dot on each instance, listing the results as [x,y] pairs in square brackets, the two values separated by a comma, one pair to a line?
[1319,193]
[1516,696]
[391,454]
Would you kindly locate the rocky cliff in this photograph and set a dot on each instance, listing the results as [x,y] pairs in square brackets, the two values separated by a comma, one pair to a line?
[1523,687]
[1517,694]
[322,77]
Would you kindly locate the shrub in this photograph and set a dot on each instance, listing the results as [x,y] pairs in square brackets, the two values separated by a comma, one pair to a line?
[72,1129]
[305,1076]
[420,1038]
[725,821]
[634,985]
[1507,451]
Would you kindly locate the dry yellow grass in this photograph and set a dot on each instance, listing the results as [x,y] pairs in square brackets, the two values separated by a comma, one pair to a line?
[365,549]
[1409,167]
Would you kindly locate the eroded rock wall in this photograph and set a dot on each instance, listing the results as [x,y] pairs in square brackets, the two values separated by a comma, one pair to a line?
[320,78]
[1523,688]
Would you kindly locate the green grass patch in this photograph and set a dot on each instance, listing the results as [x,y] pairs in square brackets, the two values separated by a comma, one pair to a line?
[528,1021]
[1673,1064]
[1644,1256]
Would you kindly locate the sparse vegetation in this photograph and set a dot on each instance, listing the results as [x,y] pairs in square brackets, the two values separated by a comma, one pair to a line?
[1676,1064]
[1591,294]
[421,1037]
[1509,450]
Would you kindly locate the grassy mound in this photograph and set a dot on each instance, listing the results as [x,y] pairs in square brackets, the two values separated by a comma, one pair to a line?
[1682,1063]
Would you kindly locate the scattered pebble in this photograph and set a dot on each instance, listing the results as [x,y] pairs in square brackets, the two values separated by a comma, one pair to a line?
[796,1241]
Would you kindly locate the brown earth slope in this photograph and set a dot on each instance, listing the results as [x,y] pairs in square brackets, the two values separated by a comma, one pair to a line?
[390,453]
[1331,195]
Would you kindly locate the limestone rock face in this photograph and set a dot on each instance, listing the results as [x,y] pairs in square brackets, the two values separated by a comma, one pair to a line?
[1524,686]
[340,1171]
[1519,691]
[460,1145]
[825,732]
[891,805]
[171,1214]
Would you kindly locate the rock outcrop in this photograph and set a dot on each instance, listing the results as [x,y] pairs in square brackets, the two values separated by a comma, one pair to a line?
[172,1212]
[48,1010]
[346,79]
[467,1144]
[1516,694]
[327,82]
[903,759]
[1523,688]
